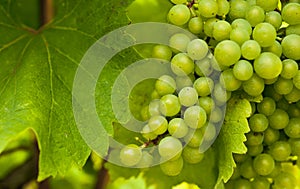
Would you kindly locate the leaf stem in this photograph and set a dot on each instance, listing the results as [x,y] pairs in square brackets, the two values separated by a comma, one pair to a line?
[47,11]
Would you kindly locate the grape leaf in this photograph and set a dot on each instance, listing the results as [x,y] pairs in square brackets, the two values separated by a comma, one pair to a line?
[231,137]
[37,70]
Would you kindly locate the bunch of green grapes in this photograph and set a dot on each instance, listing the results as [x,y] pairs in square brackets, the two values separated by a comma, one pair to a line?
[243,46]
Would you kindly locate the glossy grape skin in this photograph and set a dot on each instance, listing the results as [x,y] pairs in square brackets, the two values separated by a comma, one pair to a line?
[293,96]
[242,184]
[169,105]
[254,139]
[197,49]
[209,25]
[279,119]
[255,15]
[207,103]
[221,30]
[195,117]
[179,42]
[178,1]
[265,34]
[258,123]
[267,65]
[183,81]
[284,180]
[260,183]
[290,46]
[293,128]
[276,49]
[177,128]
[195,25]
[247,170]
[238,9]
[228,80]
[204,86]
[179,14]
[242,24]
[148,133]
[223,7]
[255,150]
[290,13]
[158,124]
[162,52]
[263,164]
[267,5]
[283,86]
[192,155]
[188,96]
[146,160]
[250,49]
[165,85]
[169,147]
[295,146]
[172,168]
[296,80]
[289,69]
[280,150]
[203,67]
[130,155]
[271,136]
[267,106]
[254,86]
[182,65]
[274,18]
[227,52]
[194,138]
[239,36]
[208,8]
[243,70]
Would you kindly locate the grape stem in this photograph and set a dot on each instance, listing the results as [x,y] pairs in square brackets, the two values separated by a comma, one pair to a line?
[47,13]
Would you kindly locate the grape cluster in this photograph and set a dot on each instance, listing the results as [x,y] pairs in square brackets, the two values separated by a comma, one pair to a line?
[255,49]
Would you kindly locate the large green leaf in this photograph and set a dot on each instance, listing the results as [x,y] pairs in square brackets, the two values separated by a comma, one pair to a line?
[37,68]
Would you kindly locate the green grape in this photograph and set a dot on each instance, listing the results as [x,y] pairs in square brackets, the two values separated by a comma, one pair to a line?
[154,107]
[188,96]
[274,18]
[243,70]
[279,119]
[209,131]
[270,81]
[293,111]
[267,5]
[282,104]
[172,168]
[183,81]
[194,138]
[250,49]
[148,133]
[290,13]
[146,160]
[276,48]
[241,184]
[228,81]
[178,1]
[236,174]
[208,8]
[290,46]
[239,35]
[241,23]
[293,29]
[177,128]
[295,146]
[165,85]
[265,34]
[192,155]
[114,156]
[293,96]
[220,94]
[203,67]
[260,183]
[247,170]
[162,52]
[155,95]
[145,114]
[258,123]
[221,30]
[179,42]
[255,15]
[169,147]
[254,139]
[207,103]
[169,105]
[182,65]
[216,115]
[296,80]
[284,180]
[280,150]
[239,158]
[195,117]
[255,150]
[197,49]
[238,9]
[204,86]
[292,130]
[283,86]
[179,14]
[267,106]
[267,65]
[209,25]
[227,52]
[195,25]
[223,7]
[253,108]
[276,171]
[289,68]
[253,86]
[263,164]
[158,124]
[130,155]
